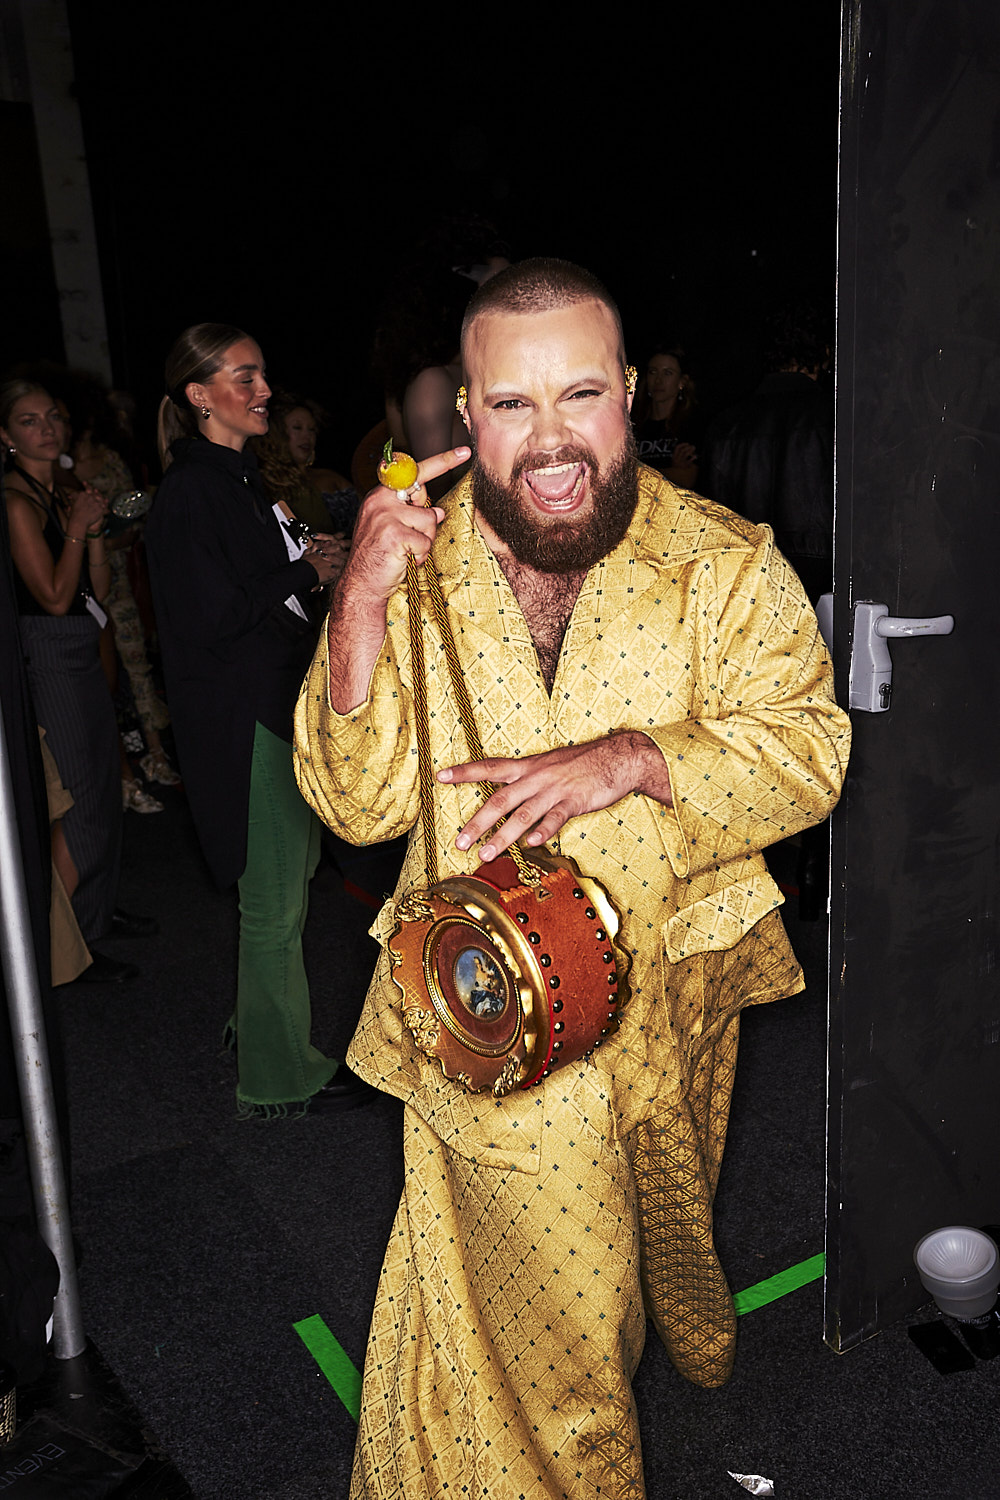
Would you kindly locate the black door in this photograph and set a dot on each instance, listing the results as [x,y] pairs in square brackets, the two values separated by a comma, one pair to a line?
[914,1116]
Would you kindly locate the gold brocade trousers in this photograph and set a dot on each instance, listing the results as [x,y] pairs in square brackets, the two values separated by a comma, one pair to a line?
[509,1320]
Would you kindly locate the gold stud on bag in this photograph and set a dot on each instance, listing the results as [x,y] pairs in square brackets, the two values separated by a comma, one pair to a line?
[512,971]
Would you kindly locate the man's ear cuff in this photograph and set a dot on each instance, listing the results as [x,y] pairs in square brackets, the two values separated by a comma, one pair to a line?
[461,400]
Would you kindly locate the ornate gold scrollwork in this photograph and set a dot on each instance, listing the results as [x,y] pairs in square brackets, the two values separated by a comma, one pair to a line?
[415,907]
[509,1077]
[425,1027]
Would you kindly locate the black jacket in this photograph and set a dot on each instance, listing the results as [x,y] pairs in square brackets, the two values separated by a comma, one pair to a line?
[233,653]
[770,458]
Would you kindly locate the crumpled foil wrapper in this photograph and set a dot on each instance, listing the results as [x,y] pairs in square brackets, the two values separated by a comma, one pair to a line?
[756,1484]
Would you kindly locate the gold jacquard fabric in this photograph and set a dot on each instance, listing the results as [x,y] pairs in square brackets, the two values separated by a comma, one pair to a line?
[508,1320]
[679,1151]
[485,1375]
[693,630]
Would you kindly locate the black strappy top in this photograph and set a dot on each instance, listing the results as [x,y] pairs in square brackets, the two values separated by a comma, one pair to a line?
[55,539]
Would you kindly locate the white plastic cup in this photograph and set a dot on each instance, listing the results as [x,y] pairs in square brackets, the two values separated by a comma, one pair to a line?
[960,1267]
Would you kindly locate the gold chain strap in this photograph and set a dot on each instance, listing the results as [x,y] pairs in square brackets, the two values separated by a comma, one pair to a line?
[422,726]
[530,874]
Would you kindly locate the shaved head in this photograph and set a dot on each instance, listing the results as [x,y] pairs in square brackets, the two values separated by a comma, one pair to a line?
[539,285]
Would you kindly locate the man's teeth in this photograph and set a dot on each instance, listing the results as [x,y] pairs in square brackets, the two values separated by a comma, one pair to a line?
[556,469]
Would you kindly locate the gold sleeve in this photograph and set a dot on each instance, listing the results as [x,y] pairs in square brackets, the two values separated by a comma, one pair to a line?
[358,771]
[764,753]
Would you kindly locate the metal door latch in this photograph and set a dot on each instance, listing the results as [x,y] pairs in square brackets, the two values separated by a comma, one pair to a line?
[871,664]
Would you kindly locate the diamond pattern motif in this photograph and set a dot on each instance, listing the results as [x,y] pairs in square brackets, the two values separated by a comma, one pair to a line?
[679,1152]
[508,1318]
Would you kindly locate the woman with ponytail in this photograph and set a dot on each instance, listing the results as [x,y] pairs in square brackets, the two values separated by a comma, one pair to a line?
[235,609]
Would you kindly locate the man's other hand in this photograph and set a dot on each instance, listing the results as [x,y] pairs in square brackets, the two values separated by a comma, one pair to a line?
[539,794]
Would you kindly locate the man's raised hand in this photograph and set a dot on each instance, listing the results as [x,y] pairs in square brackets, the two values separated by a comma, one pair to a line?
[389,529]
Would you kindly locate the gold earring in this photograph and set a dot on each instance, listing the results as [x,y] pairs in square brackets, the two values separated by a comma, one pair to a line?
[461,400]
[631,379]
[206,412]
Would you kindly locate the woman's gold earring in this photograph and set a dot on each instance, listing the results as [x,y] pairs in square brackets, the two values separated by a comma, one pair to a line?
[631,379]
[461,400]
[206,412]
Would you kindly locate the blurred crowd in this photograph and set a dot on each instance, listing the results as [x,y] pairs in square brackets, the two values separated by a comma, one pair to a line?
[79,481]
[170,596]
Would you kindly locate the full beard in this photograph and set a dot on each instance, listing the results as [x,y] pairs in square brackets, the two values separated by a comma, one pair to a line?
[551,544]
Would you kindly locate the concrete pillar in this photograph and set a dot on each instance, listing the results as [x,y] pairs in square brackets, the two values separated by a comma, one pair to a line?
[48,61]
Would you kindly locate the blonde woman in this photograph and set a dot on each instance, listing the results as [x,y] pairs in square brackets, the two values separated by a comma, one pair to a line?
[237,631]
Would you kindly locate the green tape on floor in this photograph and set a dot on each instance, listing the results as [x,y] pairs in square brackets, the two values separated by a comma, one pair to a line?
[338,1368]
[779,1286]
[342,1374]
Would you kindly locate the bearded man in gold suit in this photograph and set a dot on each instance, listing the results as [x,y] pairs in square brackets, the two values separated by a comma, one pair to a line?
[654,699]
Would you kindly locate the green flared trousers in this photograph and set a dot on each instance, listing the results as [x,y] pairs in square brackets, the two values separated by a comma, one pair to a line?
[278,1065]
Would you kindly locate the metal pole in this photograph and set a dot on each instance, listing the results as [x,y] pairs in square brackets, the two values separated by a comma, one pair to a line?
[32,1056]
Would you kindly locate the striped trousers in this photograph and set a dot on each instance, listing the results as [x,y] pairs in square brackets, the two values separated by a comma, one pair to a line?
[73,706]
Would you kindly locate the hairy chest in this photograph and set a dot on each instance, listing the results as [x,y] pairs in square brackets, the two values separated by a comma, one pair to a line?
[546,600]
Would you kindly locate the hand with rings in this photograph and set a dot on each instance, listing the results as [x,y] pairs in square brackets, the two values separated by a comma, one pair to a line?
[327,554]
[392,524]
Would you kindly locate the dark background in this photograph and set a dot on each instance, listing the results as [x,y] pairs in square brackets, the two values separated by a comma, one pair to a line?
[269,167]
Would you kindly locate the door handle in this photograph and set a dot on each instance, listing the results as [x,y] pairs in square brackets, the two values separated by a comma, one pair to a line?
[871,664]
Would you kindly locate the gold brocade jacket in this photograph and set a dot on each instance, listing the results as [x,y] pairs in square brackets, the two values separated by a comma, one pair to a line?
[697,632]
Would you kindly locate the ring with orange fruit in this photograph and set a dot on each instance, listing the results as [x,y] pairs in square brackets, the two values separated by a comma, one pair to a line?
[397,471]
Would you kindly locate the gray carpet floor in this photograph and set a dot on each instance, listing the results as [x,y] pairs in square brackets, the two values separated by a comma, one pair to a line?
[206,1238]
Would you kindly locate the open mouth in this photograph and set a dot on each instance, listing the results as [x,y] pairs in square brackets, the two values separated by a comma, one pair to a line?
[557,487]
